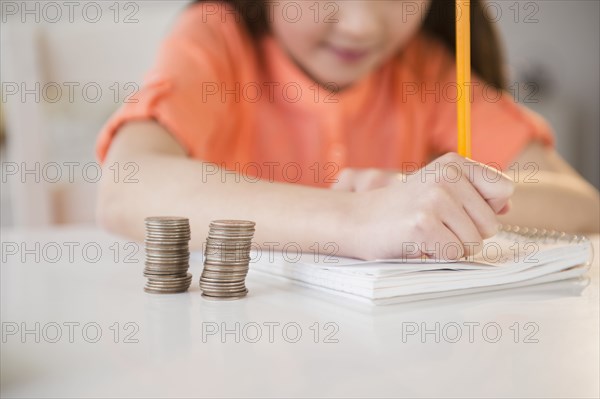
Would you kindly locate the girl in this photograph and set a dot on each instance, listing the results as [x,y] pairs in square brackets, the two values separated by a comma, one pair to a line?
[332,125]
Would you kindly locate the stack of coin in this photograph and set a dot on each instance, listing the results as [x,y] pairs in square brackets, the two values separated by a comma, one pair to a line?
[167,255]
[226,259]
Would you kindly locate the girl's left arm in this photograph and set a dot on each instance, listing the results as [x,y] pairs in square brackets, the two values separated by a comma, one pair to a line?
[550,194]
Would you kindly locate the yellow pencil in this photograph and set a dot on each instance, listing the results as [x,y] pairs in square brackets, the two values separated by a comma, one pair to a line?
[463,76]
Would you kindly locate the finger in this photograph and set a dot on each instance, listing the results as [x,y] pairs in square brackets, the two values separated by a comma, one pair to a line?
[344,181]
[443,244]
[371,179]
[476,207]
[506,208]
[493,185]
[456,218]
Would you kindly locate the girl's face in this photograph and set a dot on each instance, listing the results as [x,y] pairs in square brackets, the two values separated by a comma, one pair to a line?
[340,41]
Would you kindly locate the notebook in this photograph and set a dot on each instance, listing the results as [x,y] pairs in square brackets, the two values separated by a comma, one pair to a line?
[515,257]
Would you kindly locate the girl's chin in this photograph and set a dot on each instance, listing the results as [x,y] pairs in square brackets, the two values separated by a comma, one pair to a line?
[344,79]
[341,79]
[337,84]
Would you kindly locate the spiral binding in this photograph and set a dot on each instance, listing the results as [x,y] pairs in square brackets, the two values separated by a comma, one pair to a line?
[542,234]
[545,236]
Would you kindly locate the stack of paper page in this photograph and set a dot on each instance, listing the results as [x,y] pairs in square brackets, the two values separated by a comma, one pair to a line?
[507,260]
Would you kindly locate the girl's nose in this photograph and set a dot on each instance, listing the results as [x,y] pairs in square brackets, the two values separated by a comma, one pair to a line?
[357,20]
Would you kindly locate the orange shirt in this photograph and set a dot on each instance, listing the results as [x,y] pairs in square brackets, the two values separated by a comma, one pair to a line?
[247,107]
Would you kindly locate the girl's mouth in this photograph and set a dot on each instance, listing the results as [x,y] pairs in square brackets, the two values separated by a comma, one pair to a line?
[346,54]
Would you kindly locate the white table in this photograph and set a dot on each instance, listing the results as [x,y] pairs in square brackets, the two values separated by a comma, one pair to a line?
[173,354]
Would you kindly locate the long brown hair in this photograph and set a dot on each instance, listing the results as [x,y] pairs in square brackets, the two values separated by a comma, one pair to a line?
[486,55]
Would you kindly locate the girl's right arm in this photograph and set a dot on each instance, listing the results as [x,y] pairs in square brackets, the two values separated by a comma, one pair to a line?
[419,209]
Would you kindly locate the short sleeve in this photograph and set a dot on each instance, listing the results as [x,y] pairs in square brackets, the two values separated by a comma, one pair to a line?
[192,62]
[500,127]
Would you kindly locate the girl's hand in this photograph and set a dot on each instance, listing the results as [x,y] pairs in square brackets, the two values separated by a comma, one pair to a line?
[442,211]
[350,179]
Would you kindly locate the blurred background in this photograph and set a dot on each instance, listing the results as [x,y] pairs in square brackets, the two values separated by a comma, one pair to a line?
[67,66]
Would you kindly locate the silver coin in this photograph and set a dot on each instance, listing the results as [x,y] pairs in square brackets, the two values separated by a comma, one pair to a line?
[228,263]
[172,279]
[168,229]
[167,253]
[225,271]
[227,253]
[165,226]
[171,272]
[167,285]
[154,275]
[208,268]
[185,277]
[165,243]
[173,257]
[232,223]
[167,232]
[217,298]
[224,293]
[166,219]
[229,246]
[166,265]
[222,279]
[167,249]
[177,287]
[164,270]
[158,255]
[241,281]
[216,237]
[226,268]
[220,283]
[222,286]
[152,290]
[181,269]
[174,233]
[157,258]
[169,238]
[232,232]
[218,275]
[229,259]
[228,240]
[212,290]
[229,273]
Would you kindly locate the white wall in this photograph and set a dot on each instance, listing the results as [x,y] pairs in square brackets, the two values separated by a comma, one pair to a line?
[562,38]
[60,46]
